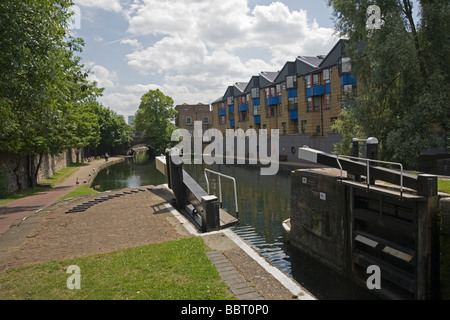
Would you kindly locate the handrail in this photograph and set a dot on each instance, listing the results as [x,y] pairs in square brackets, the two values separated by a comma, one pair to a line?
[220,187]
[368,172]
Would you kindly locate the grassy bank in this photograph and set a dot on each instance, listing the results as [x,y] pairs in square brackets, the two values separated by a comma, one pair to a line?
[176,270]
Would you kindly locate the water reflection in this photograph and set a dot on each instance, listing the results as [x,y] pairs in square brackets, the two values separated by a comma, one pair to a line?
[134,172]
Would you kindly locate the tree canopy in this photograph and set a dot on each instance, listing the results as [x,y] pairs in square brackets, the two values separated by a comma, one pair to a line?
[47,103]
[403,72]
[154,118]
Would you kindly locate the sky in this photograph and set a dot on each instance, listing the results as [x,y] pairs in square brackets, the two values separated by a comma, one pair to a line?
[192,50]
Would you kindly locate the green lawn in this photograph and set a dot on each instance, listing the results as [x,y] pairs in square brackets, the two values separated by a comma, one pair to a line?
[444,186]
[79,192]
[176,270]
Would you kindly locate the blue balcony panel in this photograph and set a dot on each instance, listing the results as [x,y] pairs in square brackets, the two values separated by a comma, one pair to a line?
[292,93]
[222,112]
[347,78]
[232,123]
[293,115]
[243,107]
[230,108]
[273,100]
[328,88]
[316,91]
[257,119]
[256,102]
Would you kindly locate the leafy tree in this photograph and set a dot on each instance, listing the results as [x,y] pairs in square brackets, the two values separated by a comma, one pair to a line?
[154,119]
[114,132]
[403,76]
[44,92]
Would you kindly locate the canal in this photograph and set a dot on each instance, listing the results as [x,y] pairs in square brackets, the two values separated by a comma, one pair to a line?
[264,203]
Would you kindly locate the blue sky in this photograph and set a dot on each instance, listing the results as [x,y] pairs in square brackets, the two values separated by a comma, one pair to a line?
[192,50]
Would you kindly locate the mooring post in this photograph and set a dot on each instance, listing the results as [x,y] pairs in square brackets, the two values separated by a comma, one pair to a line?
[175,178]
[428,241]
[211,214]
[372,152]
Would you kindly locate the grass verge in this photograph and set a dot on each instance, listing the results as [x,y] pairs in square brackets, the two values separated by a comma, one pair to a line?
[175,270]
[79,192]
[444,185]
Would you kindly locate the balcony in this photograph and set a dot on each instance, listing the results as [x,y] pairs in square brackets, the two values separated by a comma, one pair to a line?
[273,100]
[347,78]
[222,112]
[230,108]
[293,115]
[292,93]
[257,119]
[318,90]
[232,123]
[256,102]
[243,107]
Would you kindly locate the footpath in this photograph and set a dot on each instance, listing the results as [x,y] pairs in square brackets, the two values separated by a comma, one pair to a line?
[38,229]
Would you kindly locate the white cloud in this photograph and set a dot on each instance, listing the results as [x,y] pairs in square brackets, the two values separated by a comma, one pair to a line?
[132,42]
[200,39]
[104,77]
[202,47]
[109,5]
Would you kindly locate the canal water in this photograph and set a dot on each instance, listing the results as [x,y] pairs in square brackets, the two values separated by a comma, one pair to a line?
[263,203]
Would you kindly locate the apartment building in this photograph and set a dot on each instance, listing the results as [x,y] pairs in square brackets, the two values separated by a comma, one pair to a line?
[188,114]
[303,99]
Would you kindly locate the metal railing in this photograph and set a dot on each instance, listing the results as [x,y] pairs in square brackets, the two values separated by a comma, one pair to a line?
[220,187]
[368,161]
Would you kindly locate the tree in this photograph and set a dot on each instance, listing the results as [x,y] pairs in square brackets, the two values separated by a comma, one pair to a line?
[154,119]
[44,92]
[403,76]
[114,132]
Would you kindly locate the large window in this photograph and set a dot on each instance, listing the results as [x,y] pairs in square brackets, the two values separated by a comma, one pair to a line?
[255,93]
[188,121]
[291,82]
[308,81]
[327,75]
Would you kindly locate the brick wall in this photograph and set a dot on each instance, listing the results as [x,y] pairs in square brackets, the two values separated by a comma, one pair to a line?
[49,166]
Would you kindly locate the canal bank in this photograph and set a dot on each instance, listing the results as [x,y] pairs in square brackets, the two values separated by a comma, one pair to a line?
[14,212]
[131,218]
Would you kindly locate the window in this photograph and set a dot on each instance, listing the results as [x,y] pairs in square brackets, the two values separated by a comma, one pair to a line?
[255,93]
[327,75]
[327,100]
[295,126]
[308,81]
[291,82]
[222,120]
[278,90]
[206,120]
[316,79]
[317,103]
[256,110]
[188,121]
[318,129]
[230,101]
[309,106]
[284,125]
[243,116]
[304,123]
[292,103]
[346,66]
